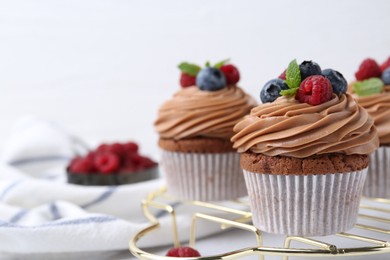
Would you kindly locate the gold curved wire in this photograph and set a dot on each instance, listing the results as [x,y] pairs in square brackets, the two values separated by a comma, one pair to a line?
[324,249]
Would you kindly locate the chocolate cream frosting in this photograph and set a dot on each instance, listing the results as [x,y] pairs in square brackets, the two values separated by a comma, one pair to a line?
[196,113]
[378,106]
[289,128]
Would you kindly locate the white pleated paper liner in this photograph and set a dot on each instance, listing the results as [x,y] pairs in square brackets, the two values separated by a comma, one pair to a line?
[378,177]
[204,176]
[311,205]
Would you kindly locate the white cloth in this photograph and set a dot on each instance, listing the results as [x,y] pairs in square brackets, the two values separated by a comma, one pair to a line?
[41,213]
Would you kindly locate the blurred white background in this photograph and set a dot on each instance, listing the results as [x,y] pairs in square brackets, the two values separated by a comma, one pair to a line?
[101,68]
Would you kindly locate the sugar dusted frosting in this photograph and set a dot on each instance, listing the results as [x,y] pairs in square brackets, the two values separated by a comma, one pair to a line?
[196,113]
[289,128]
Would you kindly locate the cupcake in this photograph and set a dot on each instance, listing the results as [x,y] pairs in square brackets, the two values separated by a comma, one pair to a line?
[372,91]
[195,128]
[112,164]
[304,153]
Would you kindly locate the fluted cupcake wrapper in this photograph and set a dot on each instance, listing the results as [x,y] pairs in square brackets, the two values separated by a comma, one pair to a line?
[204,176]
[311,205]
[378,177]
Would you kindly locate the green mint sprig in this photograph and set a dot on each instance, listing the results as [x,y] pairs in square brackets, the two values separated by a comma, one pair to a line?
[189,68]
[218,65]
[368,87]
[193,69]
[293,79]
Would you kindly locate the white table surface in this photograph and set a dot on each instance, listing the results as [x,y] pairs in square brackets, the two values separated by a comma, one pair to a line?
[77,62]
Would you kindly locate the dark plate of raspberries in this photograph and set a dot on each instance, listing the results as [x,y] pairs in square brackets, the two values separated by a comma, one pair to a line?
[112,164]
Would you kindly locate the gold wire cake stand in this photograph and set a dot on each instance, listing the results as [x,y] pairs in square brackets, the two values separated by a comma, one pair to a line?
[242,218]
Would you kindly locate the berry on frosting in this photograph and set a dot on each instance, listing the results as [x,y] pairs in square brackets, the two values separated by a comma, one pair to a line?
[187,80]
[386,76]
[339,84]
[188,74]
[272,89]
[283,75]
[369,68]
[318,86]
[309,68]
[314,90]
[210,79]
[183,252]
[231,73]
[385,65]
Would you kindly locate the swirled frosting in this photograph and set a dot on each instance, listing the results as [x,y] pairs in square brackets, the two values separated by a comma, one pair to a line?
[196,113]
[289,128]
[378,106]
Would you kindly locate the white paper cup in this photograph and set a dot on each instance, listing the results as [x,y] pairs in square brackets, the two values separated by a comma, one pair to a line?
[378,177]
[311,205]
[204,176]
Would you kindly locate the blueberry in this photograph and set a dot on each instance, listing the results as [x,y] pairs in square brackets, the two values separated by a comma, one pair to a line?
[386,76]
[210,79]
[309,68]
[271,90]
[339,84]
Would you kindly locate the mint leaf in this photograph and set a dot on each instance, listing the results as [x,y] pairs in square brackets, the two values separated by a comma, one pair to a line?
[189,68]
[207,64]
[368,87]
[289,92]
[293,75]
[218,65]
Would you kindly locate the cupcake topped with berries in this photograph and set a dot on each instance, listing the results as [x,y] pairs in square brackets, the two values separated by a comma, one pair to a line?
[208,104]
[372,91]
[305,148]
[307,113]
[195,127]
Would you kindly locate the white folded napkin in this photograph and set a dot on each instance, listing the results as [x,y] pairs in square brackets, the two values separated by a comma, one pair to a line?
[41,213]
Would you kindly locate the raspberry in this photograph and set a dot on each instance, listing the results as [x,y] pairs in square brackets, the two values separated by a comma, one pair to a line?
[135,158]
[183,252]
[187,80]
[385,65]
[130,147]
[129,169]
[147,163]
[101,148]
[91,156]
[81,165]
[283,75]
[107,163]
[314,90]
[368,69]
[115,148]
[231,73]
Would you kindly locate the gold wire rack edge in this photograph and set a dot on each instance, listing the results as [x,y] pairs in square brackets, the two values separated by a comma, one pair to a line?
[270,251]
[381,247]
